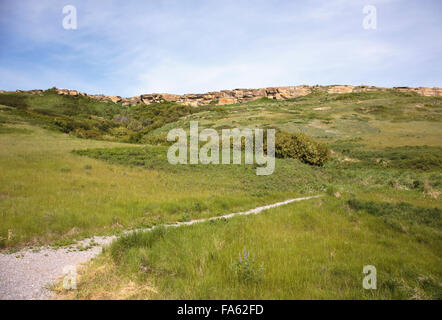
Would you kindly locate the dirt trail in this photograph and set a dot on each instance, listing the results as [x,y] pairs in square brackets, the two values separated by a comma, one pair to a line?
[28,274]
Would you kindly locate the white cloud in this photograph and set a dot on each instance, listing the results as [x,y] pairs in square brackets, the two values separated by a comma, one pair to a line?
[128,48]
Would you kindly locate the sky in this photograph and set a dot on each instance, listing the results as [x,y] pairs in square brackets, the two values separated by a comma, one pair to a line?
[133,47]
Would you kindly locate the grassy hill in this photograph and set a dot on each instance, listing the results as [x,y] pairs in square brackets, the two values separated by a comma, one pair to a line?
[73,167]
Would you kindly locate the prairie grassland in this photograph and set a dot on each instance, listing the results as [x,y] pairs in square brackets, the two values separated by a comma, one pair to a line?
[383,208]
[308,250]
[380,119]
[50,194]
[383,186]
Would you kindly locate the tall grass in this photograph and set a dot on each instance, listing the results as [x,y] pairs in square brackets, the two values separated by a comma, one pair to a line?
[309,250]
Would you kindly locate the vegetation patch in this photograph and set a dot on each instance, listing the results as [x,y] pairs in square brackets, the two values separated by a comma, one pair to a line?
[14,130]
[299,146]
[423,158]
[400,211]
[311,250]
[88,118]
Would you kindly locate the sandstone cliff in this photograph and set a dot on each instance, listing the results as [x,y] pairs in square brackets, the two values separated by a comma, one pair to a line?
[239,95]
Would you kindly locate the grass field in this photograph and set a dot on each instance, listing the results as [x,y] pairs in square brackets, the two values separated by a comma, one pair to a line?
[68,171]
[310,250]
[49,193]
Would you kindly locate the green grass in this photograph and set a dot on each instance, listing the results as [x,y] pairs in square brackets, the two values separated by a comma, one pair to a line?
[311,250]
[424,158]
[89,118]
[14,130]
[46,190]
[383,186]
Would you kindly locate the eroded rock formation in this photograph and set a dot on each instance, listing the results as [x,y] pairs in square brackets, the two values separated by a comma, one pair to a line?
[239,95]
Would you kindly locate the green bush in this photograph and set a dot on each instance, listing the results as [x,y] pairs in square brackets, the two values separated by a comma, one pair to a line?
[246,269]
[157,139]
[299,146]
[185,217]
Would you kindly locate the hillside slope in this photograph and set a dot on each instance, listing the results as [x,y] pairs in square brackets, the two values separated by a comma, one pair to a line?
[73,166]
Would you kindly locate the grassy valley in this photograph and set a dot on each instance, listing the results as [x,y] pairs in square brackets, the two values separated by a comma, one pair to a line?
[73,167]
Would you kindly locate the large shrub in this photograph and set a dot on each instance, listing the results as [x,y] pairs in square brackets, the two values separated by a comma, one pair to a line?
[299,146]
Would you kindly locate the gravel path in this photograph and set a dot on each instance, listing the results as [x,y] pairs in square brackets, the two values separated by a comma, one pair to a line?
[28,274]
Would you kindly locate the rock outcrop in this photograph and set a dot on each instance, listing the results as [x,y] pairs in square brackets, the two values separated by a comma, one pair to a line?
[224,97]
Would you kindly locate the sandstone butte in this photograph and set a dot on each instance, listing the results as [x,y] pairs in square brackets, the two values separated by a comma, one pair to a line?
[224,97]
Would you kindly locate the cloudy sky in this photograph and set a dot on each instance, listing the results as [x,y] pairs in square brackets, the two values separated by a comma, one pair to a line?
[132,47]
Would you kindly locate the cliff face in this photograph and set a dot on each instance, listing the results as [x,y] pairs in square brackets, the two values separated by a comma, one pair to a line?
[240,95]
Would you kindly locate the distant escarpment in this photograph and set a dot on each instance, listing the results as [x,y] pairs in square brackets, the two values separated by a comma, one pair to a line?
[239,95]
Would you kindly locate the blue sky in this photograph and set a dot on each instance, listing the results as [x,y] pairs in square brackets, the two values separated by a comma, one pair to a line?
[132,47]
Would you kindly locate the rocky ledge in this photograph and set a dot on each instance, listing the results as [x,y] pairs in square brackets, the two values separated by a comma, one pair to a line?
[239,95]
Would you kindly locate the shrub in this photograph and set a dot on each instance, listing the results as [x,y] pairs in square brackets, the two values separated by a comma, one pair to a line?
[246,269]
[87,134]
[299,146]
[157,139]
[119,132]
[185,217]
